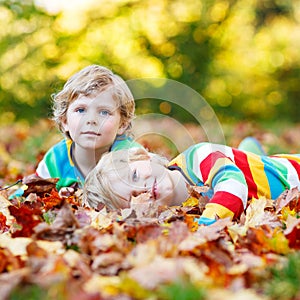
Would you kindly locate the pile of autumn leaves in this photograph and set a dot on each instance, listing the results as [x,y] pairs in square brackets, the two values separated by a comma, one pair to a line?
[51,247]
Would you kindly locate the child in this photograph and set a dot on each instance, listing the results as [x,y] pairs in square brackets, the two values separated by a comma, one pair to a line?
[94,111]
[232,177]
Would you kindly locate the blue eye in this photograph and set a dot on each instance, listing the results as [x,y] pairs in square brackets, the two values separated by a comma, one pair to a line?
[104,113]
[80,110]
[135,176]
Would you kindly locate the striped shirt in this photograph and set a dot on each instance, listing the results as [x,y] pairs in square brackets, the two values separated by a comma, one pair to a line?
[58,163]
[234,176]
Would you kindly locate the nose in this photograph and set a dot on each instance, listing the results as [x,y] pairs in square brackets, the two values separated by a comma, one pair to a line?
[146,171]
[91,119]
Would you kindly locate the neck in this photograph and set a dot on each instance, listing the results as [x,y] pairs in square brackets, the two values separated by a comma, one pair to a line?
[180,188]
[86,159]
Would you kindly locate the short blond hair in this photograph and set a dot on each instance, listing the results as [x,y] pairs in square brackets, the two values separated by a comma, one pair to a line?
[90,81]
[97,187]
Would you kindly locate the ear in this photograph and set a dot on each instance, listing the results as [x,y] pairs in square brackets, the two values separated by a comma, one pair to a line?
[64,124]
[122,128]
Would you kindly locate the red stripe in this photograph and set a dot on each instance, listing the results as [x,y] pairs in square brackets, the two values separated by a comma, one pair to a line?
[241,160]
[207,164]
[296,166]
[229,201]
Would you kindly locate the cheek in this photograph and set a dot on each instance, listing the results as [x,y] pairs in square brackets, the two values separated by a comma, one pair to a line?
[73,124]
[110,124]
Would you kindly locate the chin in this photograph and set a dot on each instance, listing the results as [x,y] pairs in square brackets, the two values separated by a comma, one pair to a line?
[165,201]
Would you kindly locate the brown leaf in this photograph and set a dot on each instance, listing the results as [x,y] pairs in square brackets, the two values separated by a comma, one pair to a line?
[39,185]
[8,281]
[61,229]
[161,270]
[3,226]
[292,231]
[286,198]
[256,215]
[27,217]
[204,234]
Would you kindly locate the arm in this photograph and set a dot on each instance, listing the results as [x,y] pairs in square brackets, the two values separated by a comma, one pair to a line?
[213,165]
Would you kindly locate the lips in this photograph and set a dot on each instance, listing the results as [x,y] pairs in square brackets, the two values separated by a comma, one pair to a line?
[154,190]
[91,133]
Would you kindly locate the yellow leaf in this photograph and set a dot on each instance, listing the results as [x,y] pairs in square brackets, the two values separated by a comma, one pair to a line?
[191,201]
[286,211]
[279,243]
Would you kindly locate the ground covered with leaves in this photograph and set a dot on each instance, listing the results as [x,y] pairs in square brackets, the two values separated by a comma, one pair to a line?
[52,247]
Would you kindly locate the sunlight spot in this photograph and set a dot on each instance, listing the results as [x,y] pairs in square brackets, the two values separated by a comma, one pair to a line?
[165,107]
[218,11]
[276,59]
[175,69]
[225,100]
[7,117]
[274,98]
[56,6]
[167,49]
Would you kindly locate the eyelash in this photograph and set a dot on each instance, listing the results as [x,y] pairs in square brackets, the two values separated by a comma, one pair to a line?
[135,176]
[79,110]
[102,112]
[107,113]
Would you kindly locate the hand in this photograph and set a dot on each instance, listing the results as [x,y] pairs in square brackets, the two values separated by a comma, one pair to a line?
[65,192]
[205,221]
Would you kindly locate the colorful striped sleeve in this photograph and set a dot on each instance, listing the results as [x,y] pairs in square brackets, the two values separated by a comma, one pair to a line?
[235,176]
[214,166]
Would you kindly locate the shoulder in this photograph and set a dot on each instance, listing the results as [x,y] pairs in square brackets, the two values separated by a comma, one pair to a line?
[59,146]
[60,150]
[124,142]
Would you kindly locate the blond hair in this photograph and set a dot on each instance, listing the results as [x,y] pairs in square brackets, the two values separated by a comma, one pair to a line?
[97,187]
[91,81]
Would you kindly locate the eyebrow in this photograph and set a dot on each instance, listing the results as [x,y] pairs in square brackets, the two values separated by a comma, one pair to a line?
[129,174]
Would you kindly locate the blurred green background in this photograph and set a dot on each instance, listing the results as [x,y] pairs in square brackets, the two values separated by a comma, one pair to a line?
[242,56]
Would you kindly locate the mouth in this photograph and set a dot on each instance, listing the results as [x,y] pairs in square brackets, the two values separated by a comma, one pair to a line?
[154,190]
[91,133]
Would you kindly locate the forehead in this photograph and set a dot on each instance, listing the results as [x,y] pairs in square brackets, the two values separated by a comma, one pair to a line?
[102,98]
[122,168]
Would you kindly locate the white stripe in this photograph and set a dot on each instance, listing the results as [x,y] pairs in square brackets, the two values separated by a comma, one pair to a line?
[42,170]
[205,149]
[234,187]
[292,175]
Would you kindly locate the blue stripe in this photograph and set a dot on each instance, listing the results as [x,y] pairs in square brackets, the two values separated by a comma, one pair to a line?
[189,155]
[277,182]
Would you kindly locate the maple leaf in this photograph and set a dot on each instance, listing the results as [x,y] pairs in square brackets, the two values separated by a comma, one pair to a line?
[27,217]
[10,280]
[292,231]
[196,197]
[141,207]
[109,263]
[8,261]
[204,234]
[3,226]
[51,200]
[256,215]
[62,228]
[39,185]
[244,261]
[287,198]
[160,270]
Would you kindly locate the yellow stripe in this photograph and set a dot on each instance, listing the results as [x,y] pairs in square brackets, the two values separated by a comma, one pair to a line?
[220,162]
[259,176]
[69,144]
[289,156]
[180,162]
[214,209]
